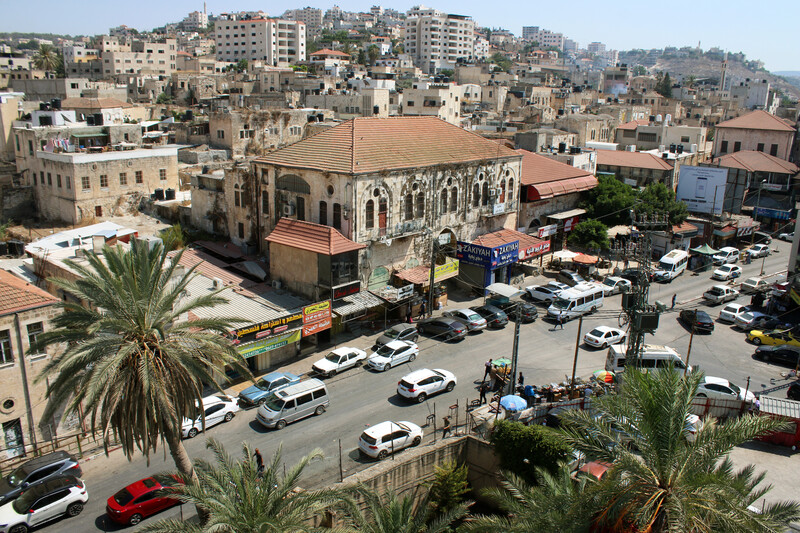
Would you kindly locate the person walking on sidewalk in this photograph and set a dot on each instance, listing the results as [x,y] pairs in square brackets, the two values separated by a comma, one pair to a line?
[422,309]
[446,427]
[487,370]
[674,298]
[483,389]
[559,322]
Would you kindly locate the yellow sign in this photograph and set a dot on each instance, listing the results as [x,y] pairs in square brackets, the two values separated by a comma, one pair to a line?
[266,345]
[447,270]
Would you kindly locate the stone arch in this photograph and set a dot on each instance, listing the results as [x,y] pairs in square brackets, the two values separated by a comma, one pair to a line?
[292,183]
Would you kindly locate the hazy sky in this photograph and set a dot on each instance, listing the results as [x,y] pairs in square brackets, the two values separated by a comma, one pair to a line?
[766,30]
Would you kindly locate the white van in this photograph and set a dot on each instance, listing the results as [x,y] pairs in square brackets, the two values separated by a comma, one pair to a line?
[653,356]
[728,254]
[294,402]
[576,301]
[671,265]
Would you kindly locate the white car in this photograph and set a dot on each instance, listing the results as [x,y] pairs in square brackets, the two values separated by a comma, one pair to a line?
[380,440]
[786,236]
[338,360]
[542,293]
[604,336]
[758,250]
[732,311]
[468,317]
[557,286]
[726,272]
[754,285]
[393,354]
[63,495]
[613,285]
[217,408]
[420,384]
[722,389]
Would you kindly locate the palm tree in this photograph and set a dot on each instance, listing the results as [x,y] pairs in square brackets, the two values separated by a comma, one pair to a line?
[672,483]
[132,361]
[46,57]
[553,505]
[394,514]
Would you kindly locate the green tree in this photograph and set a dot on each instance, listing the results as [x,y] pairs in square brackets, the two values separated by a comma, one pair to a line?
[362,57]
[657,198]
[522,449]
[46,58]
[610,201]
[132,363]
[448,487]
[174,238]
[373,53]
[447,72]
[690,80]
[164,98]
[235,498]
[639,70]
[590,234]
[670,483]
[501,61]
[664,85]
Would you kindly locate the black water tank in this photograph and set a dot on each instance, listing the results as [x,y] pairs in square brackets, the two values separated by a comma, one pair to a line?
[16,248]
[562,147]
[188,115]
[169,194]
[3,248]
[56,103]
[159,194]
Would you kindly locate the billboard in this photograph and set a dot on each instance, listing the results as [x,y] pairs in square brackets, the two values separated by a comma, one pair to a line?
[702,188]
[483,256]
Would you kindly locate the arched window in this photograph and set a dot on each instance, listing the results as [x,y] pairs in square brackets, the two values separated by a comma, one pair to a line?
[443,202]
[323,213]
[383,210]
[453,199]
[369,216]
[510,189]
[485,194]
[409,206]
[337,216]
[237,196]
[420,205]
[476,195]
[502,196]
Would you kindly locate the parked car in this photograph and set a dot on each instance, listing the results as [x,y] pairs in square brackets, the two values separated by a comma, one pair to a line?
[772,338]
[697,320]
[529,313]
[762,237]
[494,316]
[557,286]
[784,354]
[752,285]
[338,360]
[793,392]
[444,328]
[632,275]
[399,332]
[420,384]
[218,408]
[786,236]
[726,254]
[733,311]
[393,354]
[613,285]
[37,471]
[570,277]
[726,272]
[380,440]
[604,336]
[542,293]
[722,389]
[141,499]
[472,320]
[257,394]
[758,250]
[719,294]
[47,501]
[762,321]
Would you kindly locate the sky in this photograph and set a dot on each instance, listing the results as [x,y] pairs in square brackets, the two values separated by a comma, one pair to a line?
[765,30]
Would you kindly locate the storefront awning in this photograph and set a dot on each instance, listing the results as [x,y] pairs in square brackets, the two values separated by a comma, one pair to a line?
[504,289]
[567,214]
[421,275]
[542,191]
[727,231]
[529,246]
[88,135]
[356,304]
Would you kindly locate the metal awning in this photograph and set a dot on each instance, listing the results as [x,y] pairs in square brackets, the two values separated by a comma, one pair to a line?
[358,303]
[504,289]
[567,214]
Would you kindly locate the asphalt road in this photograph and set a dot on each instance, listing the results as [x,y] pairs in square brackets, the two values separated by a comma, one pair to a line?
[361,397]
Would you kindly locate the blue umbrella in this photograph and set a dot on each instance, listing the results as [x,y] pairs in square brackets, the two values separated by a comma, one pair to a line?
[512,402]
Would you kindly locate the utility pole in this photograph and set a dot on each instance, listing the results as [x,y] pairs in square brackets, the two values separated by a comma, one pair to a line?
[755,211]
[575,359]
[433,274]
[515,349]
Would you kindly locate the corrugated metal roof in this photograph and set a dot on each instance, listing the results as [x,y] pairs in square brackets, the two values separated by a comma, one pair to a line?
[780,406]
[356,303]
[323,240]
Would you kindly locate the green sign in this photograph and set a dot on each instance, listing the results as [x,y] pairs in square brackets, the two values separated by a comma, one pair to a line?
[272,343]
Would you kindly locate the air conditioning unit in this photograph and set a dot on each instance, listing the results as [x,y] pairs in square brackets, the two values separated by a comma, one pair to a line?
[217,283]
[276,284]
[288,210]
[408,226]
[493,192]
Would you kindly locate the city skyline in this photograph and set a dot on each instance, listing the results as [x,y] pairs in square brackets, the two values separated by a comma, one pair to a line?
[656,26]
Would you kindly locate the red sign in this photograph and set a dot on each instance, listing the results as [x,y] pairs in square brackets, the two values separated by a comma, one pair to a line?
[316,327]
[539,249]
[348,289]
[569,224]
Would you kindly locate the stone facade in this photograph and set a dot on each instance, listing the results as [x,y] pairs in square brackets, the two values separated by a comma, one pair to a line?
[436,100]
[365,103]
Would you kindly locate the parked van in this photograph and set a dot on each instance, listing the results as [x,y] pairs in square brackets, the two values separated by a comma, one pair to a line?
[576,301]
[297,401]
[653,356]
[671,265]
[728,254]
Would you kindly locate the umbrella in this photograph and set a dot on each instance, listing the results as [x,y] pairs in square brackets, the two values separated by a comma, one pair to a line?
[512,402]
[501,362]
[604,375]
[564,254]
[585,259]
[704,250]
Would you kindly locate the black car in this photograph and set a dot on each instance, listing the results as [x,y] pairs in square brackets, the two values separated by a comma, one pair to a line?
[632,275]
[442,328]
[495,317]
[570,277]
[697,320]
[529,312]
[783,354]
[793,393]
[36,471]
[399,332]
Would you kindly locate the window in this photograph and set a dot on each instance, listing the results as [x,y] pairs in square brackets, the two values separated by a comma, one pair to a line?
[420,205]
[16,137]
[408,207]
[369,215]
[69,182]
[41,175]
[319,393]
[647,137]
[337,216]
[162,174]
[34,178]
[237,201]
[502,195]
[265,202]
[6,354]
[58,180]
[139,177]
[241,230]
[511,189]
[773,150]
[737,146]
[33,332]
[304,399]
[49,180]
[443,202]
[30,147]
[85,184]
[220,134]
[760,147]
[103,181]
[476,195]
[123,178]
[724,147]
[485,194]
[453,199]
[323,213]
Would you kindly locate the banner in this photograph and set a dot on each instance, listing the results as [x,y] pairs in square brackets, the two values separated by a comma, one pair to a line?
[486,257]
[702,188]
[539,249]
[346,289]
[266,345]
[546,231]
[316,318]
[267,328]
[445,271]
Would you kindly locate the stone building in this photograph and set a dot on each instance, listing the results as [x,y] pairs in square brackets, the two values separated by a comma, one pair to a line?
[757,131]
[434,99]
[588,128]
[637,169]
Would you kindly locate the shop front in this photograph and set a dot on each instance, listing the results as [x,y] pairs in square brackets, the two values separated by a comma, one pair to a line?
[482,265]
[418,279]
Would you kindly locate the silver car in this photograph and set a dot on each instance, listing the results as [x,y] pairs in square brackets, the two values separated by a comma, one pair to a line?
[469,318]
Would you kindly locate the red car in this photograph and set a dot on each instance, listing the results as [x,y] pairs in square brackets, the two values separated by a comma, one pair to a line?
[140,500]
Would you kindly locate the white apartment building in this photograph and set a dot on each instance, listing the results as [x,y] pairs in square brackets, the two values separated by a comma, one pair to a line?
[436,40]
[433,99]
[545,38]
[78,53]
[141,57]
[310,16]
[195,20]
[273,41]
[596,48]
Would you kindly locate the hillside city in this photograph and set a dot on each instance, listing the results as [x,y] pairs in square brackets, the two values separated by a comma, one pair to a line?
[394,271]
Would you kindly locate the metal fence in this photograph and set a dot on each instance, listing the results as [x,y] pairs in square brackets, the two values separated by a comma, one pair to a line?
[78,444]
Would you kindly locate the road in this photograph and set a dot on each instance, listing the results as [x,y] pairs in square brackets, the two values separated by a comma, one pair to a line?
[361,397]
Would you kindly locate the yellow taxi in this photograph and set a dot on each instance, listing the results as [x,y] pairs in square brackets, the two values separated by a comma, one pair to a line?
[772,338]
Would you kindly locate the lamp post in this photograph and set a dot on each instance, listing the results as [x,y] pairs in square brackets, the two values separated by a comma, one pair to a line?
[755,211]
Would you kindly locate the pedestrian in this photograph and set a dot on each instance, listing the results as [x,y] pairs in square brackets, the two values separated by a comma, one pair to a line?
[483,389]
[422,309]
[520,382]
[674,298]
[446,427]
[408,315]
[587,392]
[488,369]
[259,462]
[560,321]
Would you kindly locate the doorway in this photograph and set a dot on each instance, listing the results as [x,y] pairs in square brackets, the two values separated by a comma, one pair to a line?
[15,442]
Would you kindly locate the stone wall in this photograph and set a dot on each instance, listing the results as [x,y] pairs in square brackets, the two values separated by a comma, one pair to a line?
[16,203]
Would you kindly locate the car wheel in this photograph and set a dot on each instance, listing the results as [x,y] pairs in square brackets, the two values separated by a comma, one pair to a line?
[756,341]
[416,441]
[449,337]
[421,329]
[415,338]
[594,308]
[412,357]
[19,528]
[135,519]
[621,340]
[450,386]
[280,424]
[422,397]
[228,417]
[382,455]
[192,433]
[765,358]
[604,346]
[74,509]
[319,410]
[331,373]
[387,367]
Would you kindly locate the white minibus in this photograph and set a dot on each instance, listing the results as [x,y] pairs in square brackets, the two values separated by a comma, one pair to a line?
[671,265]
[573,302]
[653,357]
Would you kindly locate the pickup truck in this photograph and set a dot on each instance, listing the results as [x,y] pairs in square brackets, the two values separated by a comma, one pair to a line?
[719,294]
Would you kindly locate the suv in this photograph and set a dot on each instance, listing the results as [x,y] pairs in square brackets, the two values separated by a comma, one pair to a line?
[62,495]
[399,332]
[380,440]
[257,394]
[495,318]
[36,471]
[570,277]
[529,313]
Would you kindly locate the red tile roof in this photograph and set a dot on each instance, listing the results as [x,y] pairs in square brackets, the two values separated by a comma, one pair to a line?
[633,124]
[323,240]
[368,145]
[616,158]
[328,52]
[756,162]
[18,295]
[552,177]
[684,227]
[418,275]
[757,120]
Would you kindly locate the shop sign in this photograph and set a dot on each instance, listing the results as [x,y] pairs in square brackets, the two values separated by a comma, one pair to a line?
[773,213]
[541,248]
[347,289]
[546,231]
[486,257]
[449,268]
[405,291]
[316,327]
[267,328]
[498,209]
[266,345]
[317,311]
[744,231]
[570,223]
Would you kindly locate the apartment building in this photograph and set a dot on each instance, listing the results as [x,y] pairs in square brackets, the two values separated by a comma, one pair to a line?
[140,57]
[437,40]
[275,42]
[310,16]
[545,38]
[433,99]
[196,20]
[757,131]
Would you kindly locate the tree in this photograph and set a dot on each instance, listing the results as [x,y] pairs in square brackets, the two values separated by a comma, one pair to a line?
[671,483]
[690,80]
[164,98]
[501,61]
[174,238]
[590,234]
[373,53]
[522,449]
[664,85]
[657,198]
[132,363]
[362,57]
[46,58]
[448,487]
[639,70]
[235,498]
[610,201]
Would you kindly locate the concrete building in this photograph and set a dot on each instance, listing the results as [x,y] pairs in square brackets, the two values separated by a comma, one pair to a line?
[645,135]
[545,38]
[616,80]
[196,20]
[310,16]
[141,57]
[79,53]
[10,106]
[275,42]
[757,131]
[437,40]
[637,169]
[366,102]
[433,99]
[587,127]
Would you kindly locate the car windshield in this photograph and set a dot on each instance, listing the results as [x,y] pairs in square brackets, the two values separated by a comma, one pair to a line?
[664,265]
[561,303]
[274,404]
[391,333]
[332,357]
[735,388]
[596,333]
[385,351]
[22,504]
[725,268]
[263,384]
[16,477]
[123,497]
[609,282]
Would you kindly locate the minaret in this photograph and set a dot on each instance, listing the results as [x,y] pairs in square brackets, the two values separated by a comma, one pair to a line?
[723,79]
